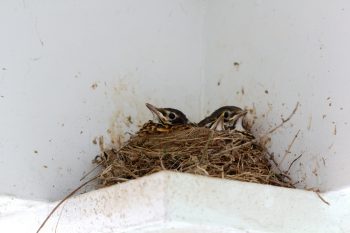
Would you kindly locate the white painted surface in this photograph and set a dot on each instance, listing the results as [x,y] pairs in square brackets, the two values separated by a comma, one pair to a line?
[174,202]
[52,52]
[170,53]
[297,51]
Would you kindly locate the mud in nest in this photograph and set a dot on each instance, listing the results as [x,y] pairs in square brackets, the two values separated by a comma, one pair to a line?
[223,154]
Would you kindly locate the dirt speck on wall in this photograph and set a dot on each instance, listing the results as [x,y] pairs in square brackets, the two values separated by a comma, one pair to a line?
[309,122]
[94,86]
[129,120]
[236,65]
[130,110]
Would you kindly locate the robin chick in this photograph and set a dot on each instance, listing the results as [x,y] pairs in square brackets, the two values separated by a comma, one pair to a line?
[167,119]
[225,118]
[168,116]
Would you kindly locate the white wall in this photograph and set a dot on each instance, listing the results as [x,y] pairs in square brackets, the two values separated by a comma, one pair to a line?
[170,53]
[297,51]
[52,52]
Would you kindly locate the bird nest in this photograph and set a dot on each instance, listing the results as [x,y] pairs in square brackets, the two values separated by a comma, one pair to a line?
[223,154]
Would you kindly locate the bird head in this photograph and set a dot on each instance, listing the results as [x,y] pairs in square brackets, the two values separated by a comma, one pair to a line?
[168,116]
[225,117]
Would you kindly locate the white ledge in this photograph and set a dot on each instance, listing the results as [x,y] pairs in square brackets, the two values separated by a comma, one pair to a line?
[177,202]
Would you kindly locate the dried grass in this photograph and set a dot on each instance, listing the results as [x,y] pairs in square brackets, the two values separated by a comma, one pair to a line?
[190,149]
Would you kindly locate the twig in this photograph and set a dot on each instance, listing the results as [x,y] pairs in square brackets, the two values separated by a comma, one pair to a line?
[322,199]
[59,217]
[297,182]
[62,201]
[202,169]
[284,121]
[205,149]
[239,146]
[290,146]
[101,143]
[161,162]
[272,157]
[293,162]
[90,171]
[286,176]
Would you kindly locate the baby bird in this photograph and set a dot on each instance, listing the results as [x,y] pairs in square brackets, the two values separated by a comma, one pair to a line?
[225,118]
[168,116]
[167,119]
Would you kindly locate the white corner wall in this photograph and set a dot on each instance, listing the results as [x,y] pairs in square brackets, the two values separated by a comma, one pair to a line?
[74,70]
[287,52]
[71,70]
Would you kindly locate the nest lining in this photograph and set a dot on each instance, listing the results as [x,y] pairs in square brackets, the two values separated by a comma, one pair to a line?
[196,150]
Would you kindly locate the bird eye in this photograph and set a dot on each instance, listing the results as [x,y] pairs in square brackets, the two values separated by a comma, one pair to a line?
[171,116]
[225,114]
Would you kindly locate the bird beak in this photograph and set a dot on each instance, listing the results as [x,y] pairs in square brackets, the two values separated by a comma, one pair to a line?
[156,111]
[238,115]
[218,124]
